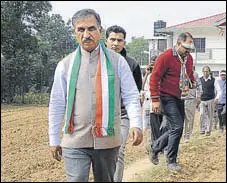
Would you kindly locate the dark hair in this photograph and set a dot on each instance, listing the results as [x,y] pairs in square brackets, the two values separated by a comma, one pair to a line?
[116,29]
[154,57]
[86,13]
[222,71]
[183,36]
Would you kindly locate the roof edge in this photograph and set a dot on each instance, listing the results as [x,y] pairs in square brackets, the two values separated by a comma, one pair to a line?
[195,20]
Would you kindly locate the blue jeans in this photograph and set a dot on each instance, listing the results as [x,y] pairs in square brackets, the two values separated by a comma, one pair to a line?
[78,161]
[173,109]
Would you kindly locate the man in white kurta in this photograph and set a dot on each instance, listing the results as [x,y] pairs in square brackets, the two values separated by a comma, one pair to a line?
[81,144]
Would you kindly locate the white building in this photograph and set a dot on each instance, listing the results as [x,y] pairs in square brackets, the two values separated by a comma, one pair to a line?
[209,35]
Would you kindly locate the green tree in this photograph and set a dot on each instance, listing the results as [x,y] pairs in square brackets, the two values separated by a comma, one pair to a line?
[19,23]
[32,43]
[55,40]
[138,49]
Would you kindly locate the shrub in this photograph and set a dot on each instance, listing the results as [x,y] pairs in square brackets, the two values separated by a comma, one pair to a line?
[33,98]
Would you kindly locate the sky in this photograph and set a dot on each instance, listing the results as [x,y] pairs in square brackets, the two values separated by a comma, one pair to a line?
[138,17]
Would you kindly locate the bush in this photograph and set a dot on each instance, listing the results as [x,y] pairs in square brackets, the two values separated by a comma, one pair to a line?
[33,98]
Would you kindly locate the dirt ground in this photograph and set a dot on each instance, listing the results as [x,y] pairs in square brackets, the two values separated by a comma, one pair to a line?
[203,159]
[25,156]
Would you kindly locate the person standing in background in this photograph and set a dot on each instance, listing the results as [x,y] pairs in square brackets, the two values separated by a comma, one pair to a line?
[220,99]
[154,129]
[215,116]
[207,101]
[151,121]
[190,107]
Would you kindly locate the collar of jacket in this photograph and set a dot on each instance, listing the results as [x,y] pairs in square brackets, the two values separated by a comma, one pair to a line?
[123,52]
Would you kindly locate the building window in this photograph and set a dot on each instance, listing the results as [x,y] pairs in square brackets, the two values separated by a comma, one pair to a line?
[162,45]
[200,44]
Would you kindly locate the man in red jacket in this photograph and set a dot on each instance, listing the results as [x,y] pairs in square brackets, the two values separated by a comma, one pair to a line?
[169,84]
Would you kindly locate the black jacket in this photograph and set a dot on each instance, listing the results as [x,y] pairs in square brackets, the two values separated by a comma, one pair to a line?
[136,72]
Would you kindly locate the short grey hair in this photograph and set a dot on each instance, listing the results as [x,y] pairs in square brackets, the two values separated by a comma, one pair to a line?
[84,13]
[206,66]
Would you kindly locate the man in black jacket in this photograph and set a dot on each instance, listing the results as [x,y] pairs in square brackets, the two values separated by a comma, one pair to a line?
[115,40]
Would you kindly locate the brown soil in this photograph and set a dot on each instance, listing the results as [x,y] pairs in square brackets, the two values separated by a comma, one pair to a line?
[26,158]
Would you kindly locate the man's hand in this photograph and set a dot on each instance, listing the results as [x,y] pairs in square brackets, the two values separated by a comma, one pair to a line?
[156,107]
[148,69]
[142,97]
[216,101]
[135,136]
[56,152]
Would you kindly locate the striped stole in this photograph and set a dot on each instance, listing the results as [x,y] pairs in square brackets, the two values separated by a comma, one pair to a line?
[105,94]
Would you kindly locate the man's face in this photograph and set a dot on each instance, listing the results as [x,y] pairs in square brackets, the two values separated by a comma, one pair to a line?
[223,76]
[87,32]
[185,47]
[206,72]
[115,41]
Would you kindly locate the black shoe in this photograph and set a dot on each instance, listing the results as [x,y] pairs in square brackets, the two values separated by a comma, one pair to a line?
[202,133]
[207,133]
[173,167]
[153,157]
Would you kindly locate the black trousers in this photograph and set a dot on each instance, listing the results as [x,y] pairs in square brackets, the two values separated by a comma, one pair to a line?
[222,118]
[173,109]
[155,122]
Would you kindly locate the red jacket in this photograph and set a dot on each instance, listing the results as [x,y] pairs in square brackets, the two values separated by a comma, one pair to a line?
[165,77]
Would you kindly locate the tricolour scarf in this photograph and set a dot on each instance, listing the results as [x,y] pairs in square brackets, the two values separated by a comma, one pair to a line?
[184,79]
[105,94]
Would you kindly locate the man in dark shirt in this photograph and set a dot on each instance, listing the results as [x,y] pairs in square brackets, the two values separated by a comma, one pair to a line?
[207,101]
[169,86]
[115,40]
